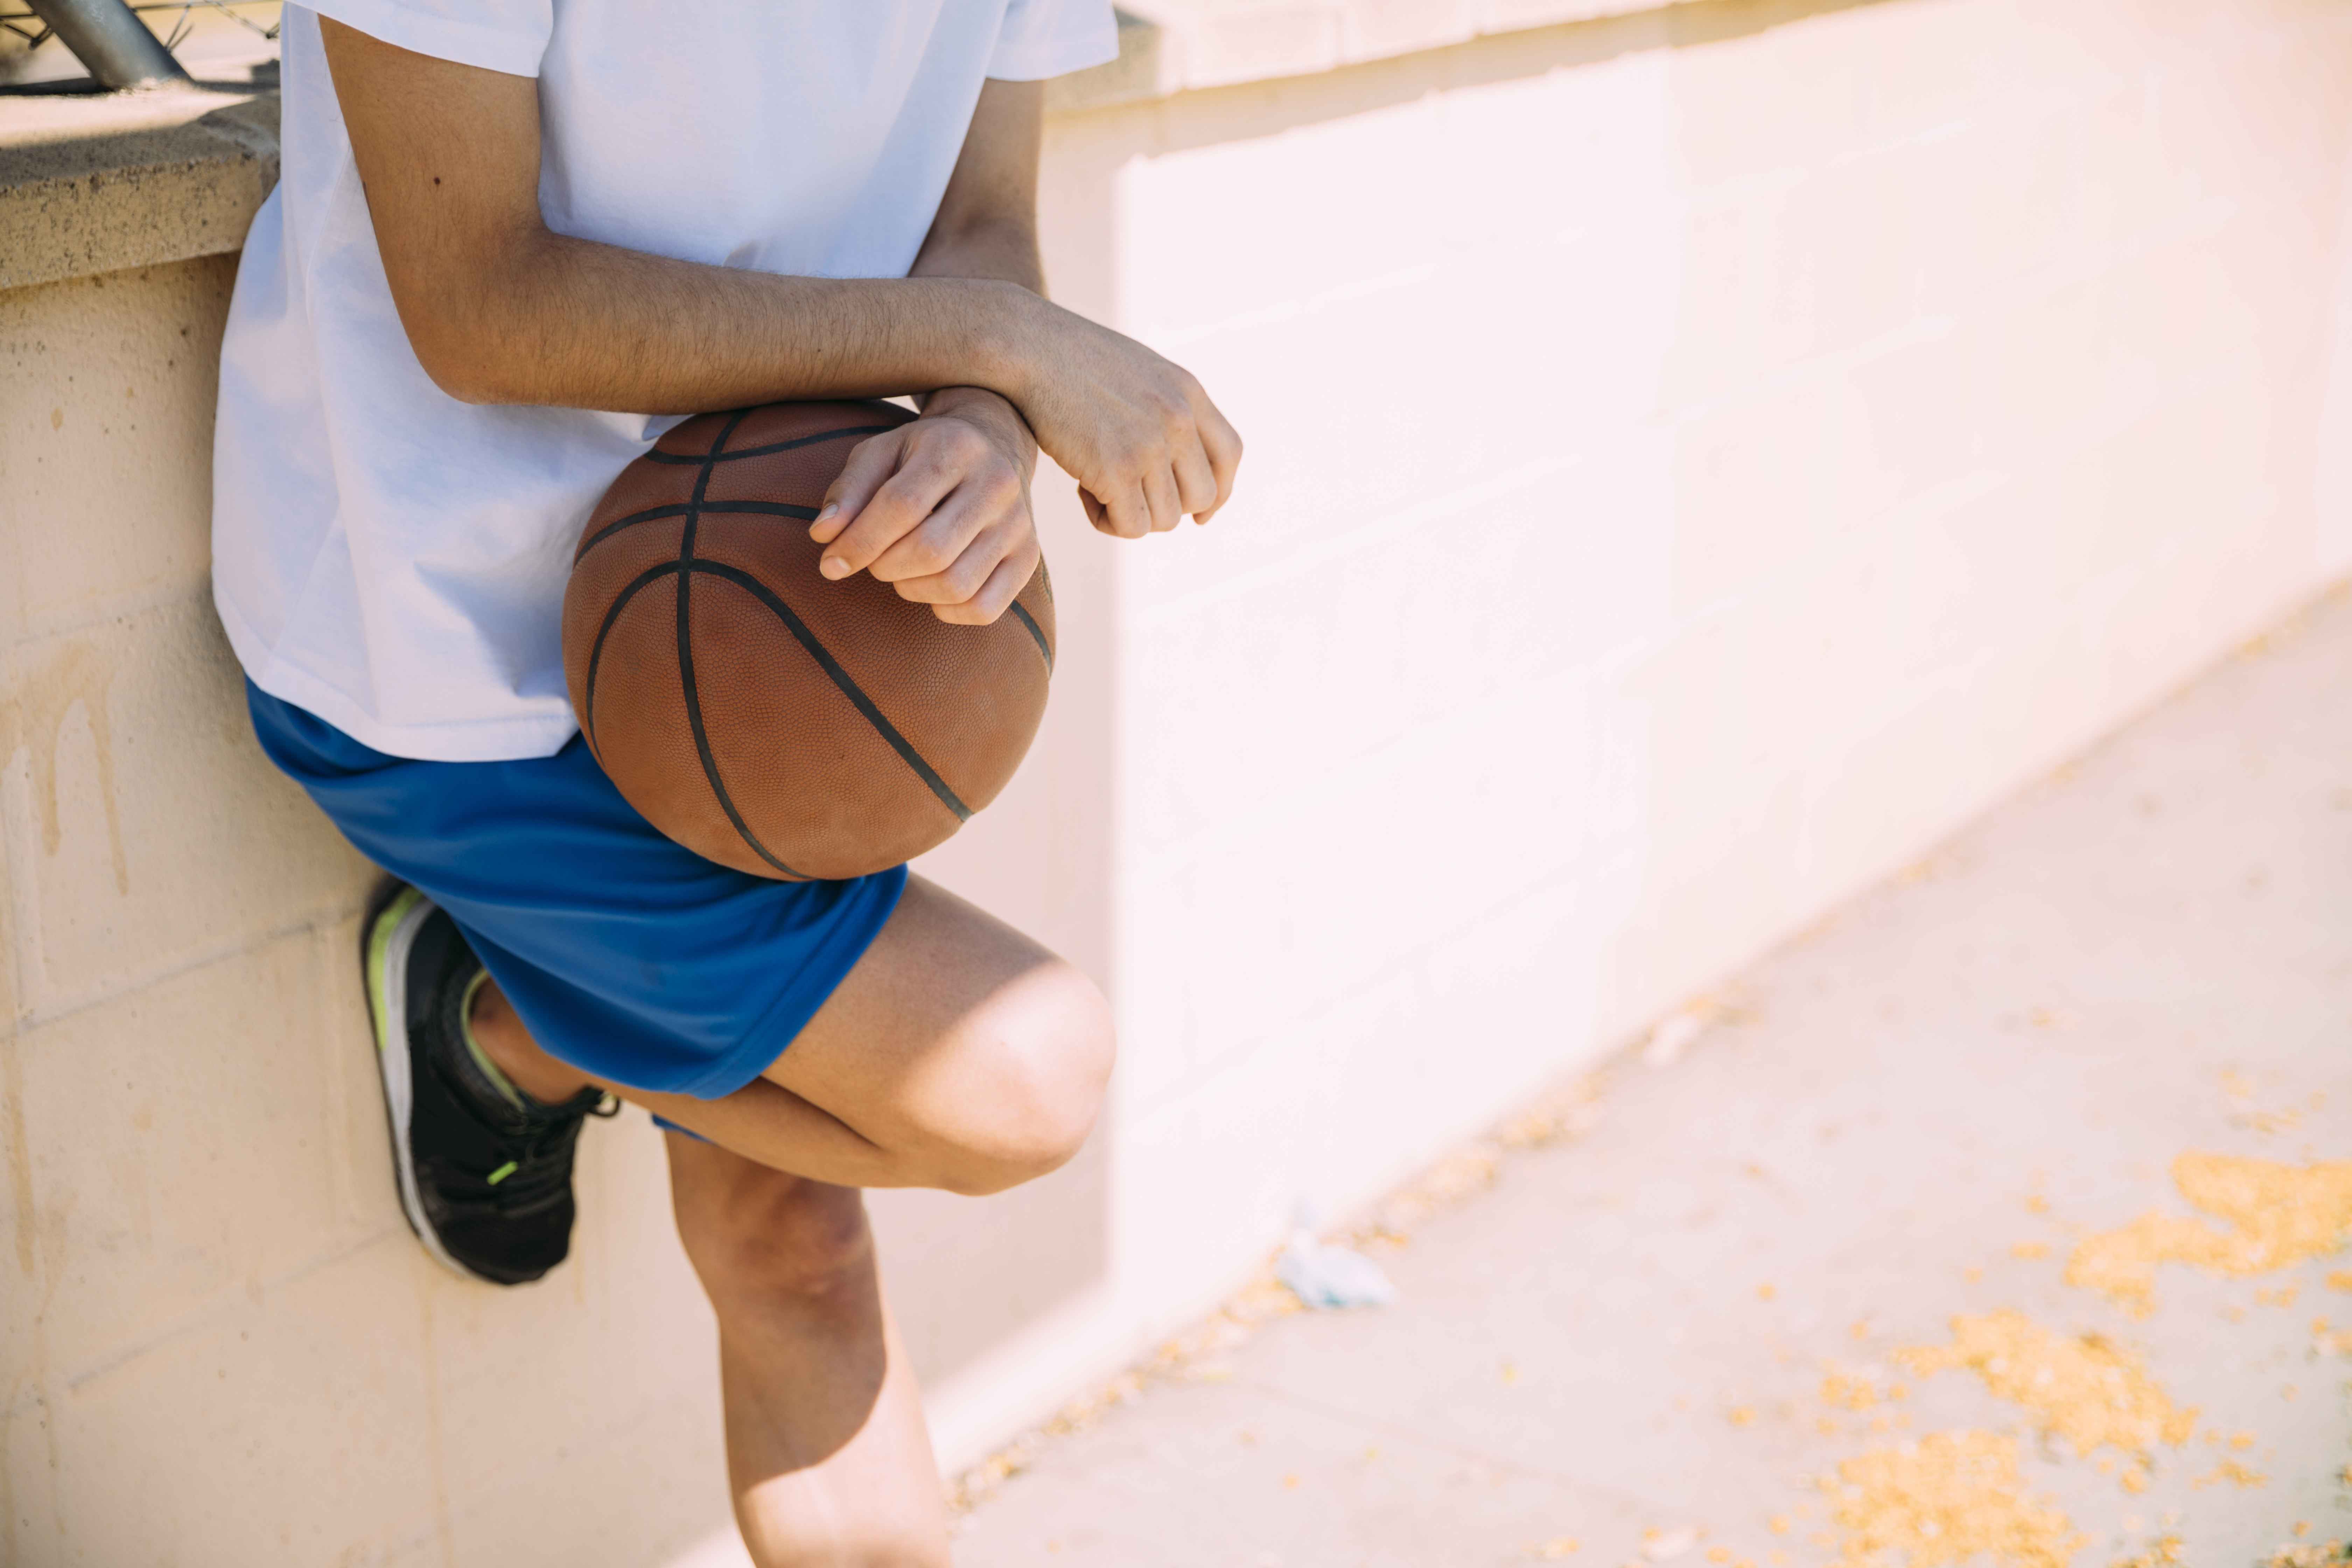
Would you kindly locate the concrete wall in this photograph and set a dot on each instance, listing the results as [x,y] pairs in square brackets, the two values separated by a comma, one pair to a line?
[1697,458]
[218,1343]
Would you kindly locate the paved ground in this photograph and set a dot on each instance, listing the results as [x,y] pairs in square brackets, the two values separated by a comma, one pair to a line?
[1804,1290]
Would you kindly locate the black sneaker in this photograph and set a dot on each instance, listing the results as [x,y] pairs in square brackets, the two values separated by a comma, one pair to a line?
[485,1175]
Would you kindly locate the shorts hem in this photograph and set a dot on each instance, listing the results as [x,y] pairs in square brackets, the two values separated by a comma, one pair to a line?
[789,1014]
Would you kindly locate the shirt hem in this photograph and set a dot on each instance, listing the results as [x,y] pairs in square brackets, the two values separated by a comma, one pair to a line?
[486,741]
[1037,62]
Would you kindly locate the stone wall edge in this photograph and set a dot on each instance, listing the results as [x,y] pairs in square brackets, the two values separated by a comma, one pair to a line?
[137,179]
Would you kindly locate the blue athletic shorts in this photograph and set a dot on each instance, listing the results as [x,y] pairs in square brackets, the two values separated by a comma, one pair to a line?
[633,959]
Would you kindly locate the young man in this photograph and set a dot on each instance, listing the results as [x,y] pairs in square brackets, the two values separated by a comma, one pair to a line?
[498,216]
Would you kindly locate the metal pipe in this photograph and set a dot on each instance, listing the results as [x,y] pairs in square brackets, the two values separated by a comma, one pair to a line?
[114,43]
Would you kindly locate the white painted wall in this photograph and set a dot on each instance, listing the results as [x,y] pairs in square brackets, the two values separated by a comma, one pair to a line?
[2333,480]
[1695,462]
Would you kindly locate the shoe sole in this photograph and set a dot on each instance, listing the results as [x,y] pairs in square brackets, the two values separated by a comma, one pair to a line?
[385,938]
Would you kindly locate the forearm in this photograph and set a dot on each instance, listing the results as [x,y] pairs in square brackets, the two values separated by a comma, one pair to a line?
[498,308]
[1004,252]
[575,323]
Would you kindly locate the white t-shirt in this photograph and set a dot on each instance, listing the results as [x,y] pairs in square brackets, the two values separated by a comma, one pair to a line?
[393,560]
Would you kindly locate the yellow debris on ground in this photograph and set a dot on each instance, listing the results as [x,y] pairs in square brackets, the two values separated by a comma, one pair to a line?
[1847,1391]
[2236,1474]
[1565,1112]
[2309,1555]
[2081,1387]
[1190,1356]
[1460,1176]
[2164,1552]
[2277,1214]
[1943,1499]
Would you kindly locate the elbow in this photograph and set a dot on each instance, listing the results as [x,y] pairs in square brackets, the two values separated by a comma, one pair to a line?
[466,384]
[472,389]
[471,327]
[464,361]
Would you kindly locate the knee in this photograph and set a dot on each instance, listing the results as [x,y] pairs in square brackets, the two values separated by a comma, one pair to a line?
[771,1237]
[1037,1086]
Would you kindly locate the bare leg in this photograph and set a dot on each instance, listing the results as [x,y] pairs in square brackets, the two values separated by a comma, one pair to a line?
[957,1054]
[827,1457]
[505,1041]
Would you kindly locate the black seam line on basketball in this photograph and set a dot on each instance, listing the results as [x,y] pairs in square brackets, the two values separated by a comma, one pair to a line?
[767,451]
[689,688]
[1036,631]
[842,678]
[675,509]
[758,508]
[597,648]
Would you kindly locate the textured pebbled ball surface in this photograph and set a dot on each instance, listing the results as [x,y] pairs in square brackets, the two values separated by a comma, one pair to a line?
[760,715]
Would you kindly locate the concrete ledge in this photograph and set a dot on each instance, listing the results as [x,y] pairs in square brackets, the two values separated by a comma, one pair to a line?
[1169,46]
[97,183]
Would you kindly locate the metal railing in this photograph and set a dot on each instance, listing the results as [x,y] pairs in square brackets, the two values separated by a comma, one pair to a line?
[124,45]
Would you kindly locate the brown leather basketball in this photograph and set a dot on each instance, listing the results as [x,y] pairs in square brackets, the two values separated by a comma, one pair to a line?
[762,716]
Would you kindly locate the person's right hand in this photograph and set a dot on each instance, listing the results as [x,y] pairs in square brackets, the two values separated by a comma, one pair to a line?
[1144,442]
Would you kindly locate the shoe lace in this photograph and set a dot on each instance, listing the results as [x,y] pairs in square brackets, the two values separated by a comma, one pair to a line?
[538,1162]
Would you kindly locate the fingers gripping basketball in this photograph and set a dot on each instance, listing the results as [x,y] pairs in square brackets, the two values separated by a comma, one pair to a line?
[758,714]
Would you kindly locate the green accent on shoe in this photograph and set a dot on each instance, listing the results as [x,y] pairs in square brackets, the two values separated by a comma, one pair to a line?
[379,952]
[503,1171]
[490,1070]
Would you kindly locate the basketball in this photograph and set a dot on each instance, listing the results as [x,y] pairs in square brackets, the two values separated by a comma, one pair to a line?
[760,715]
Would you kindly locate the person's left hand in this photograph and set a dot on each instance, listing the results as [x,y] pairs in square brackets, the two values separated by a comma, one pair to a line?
[939,507]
